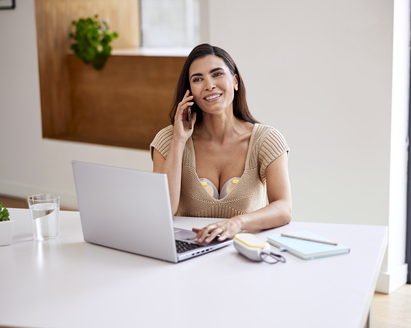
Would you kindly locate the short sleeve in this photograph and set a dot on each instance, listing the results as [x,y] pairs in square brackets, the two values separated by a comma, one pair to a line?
[272,147]
[162,141]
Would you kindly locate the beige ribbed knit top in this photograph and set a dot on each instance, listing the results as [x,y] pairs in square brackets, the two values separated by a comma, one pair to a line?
[249,194]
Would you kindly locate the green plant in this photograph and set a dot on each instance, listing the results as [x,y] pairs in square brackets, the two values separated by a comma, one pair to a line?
[92,41]
[4,213]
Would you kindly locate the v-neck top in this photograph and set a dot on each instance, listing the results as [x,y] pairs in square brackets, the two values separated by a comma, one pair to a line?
[266,144]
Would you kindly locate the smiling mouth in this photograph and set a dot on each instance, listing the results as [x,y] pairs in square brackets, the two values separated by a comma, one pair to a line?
[213,97]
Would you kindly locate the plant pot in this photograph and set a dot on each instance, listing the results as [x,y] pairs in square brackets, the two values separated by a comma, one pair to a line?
[6,232]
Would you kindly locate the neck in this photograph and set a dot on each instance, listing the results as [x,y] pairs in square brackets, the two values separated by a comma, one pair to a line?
[217,127]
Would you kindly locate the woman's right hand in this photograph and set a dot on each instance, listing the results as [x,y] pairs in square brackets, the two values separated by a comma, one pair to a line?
[182,129]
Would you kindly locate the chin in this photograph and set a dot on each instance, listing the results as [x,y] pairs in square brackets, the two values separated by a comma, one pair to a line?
[214,108]
[213,111]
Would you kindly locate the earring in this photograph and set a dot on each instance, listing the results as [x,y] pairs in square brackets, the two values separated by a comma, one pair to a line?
[236,88]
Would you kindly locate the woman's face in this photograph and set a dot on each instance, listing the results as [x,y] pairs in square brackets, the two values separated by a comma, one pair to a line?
[212,84]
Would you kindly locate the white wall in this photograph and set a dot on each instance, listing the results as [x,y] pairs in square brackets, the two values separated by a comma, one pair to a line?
[394,268]
[320,71]
[28,163]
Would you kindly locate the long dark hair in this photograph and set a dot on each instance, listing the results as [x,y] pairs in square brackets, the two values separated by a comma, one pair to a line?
[240,107]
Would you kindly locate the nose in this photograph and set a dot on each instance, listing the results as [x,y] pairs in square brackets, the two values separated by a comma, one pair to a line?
[209,84]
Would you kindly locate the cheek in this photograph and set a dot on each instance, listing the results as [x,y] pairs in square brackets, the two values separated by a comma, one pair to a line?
[226,85]
[229,89]
[197,100]
[195,93]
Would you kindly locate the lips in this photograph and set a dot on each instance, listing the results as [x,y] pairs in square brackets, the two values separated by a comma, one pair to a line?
[213,96]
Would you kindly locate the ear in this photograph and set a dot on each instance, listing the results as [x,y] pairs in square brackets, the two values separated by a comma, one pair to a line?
[235,77]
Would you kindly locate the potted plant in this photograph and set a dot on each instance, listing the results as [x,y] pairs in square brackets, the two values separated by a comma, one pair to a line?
[6,226]
[92,41]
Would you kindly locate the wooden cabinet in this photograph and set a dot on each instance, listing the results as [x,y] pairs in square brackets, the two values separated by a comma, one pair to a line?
[126,103]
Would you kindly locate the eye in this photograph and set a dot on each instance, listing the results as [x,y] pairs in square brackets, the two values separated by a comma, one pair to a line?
[217,74]
[197,79]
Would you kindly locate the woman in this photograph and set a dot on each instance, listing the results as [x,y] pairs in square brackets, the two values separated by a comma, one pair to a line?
[222,152]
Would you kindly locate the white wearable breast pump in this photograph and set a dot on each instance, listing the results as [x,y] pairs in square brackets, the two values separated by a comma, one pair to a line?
[212,190]
[256,249]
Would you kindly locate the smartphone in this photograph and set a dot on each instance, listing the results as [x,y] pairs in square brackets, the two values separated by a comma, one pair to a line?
[189,117]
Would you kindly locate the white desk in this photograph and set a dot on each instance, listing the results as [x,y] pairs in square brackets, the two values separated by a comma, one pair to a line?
[70,283]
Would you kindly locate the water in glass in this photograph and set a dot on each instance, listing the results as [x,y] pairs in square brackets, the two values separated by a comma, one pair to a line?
[45,220]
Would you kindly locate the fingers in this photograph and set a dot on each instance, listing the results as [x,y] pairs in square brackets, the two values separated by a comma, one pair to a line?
[208,233]
[202,233]
[223,236]
[185,103]
[183,110]
[214,233]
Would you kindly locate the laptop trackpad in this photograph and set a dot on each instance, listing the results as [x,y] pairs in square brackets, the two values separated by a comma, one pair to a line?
[182,234]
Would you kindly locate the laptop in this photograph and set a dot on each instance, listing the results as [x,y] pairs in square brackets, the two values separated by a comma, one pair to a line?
[130,210]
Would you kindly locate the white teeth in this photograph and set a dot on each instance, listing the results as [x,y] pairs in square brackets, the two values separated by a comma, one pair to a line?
[212,97]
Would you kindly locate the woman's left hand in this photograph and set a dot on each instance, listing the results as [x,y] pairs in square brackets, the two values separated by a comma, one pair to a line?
[226,229]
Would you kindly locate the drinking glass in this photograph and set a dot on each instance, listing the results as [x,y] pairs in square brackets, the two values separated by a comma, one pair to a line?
[45,216]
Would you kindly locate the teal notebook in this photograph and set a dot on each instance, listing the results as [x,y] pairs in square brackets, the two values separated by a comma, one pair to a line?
[307,250]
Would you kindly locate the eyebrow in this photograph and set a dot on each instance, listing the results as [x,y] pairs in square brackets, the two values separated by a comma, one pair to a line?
[212,71]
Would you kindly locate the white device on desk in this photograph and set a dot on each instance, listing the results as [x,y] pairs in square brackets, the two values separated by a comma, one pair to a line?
[130,210]
[256,249]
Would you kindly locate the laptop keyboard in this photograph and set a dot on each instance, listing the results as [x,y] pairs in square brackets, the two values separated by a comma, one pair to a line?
[183,246]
